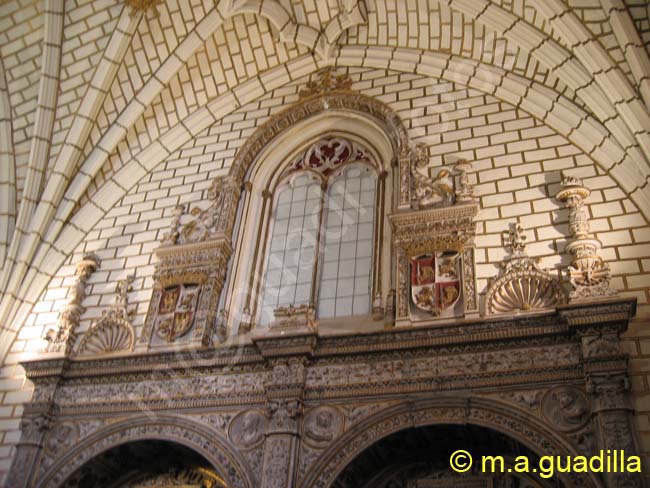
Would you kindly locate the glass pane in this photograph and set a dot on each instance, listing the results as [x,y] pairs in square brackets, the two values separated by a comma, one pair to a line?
[290,264]
[344,288]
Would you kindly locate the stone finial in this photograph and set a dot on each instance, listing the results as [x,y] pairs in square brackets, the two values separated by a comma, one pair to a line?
[114,331]
[521,285]
[222,325]
[517,241]
[171,237]
[464,189]
[588,274]
[61,338]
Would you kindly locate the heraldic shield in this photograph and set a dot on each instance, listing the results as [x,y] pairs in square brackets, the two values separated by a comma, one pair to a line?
[176,311]
[435,282]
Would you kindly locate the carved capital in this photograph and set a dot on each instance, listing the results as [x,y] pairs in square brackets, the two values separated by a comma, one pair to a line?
[609,392]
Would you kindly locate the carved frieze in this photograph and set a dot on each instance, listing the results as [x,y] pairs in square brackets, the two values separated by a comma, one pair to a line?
[521,285]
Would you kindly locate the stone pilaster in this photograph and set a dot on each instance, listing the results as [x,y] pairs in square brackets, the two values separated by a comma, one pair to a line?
[605,365]
[38,417]
[287,347]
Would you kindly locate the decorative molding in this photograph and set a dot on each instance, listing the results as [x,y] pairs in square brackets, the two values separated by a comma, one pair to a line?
[521,286]
[588,274]
[113,332]
[62,338]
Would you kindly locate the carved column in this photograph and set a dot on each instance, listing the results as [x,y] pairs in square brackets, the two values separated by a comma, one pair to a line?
[613,416]
[38,417]
[605,366]
[287,347]
[61,339]
[588,274]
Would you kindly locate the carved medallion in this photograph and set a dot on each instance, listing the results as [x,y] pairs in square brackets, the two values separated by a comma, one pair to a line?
[247,429]
[566,408]
[61,437]
[321,426]
[176,311]
[435,281]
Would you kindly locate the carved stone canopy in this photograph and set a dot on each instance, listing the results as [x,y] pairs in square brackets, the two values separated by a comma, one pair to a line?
[444,228]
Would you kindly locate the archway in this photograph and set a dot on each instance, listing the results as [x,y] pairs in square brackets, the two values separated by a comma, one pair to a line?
[146,463]
[488,414]
[419,457]
[184,434]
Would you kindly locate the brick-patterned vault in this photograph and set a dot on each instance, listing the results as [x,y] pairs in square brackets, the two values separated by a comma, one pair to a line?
[147,149]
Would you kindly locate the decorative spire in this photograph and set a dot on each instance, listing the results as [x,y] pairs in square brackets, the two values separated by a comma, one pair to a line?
[62,337]
[588,274]
[464,189]
[517,241]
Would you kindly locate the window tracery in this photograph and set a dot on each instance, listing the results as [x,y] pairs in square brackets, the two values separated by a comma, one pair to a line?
[323,232]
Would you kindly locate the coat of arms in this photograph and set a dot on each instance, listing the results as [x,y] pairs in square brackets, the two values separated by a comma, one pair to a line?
[435,281]
[176,311]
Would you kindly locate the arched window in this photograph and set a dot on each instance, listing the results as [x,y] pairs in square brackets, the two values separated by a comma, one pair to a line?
[322,239]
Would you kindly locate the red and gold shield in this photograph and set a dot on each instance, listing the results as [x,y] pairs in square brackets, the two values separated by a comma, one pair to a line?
[435,281]
[176,311]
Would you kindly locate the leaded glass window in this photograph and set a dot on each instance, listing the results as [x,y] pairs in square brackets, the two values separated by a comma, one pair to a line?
[322,233]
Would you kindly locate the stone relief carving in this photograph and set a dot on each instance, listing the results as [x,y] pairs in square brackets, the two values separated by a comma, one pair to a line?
[143,6]
[327,82]
[191,271]
[61,437]
[247,429]
[62,338]
[566,408]
[322,425]
[210,449]
[113,332]
[291,317]
[521,284]
[441,186]
[435,265]
[588,274]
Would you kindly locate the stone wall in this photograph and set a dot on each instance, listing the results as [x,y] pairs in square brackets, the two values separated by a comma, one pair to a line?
[525,118]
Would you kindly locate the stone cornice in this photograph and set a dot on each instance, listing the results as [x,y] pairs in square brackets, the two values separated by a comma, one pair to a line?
[472,333]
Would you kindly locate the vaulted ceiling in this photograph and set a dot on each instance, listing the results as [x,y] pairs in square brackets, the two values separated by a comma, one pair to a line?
[94,93]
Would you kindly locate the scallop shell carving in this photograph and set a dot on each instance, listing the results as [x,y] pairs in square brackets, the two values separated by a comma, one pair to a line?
[522,285]
[523,291]
[108,335]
